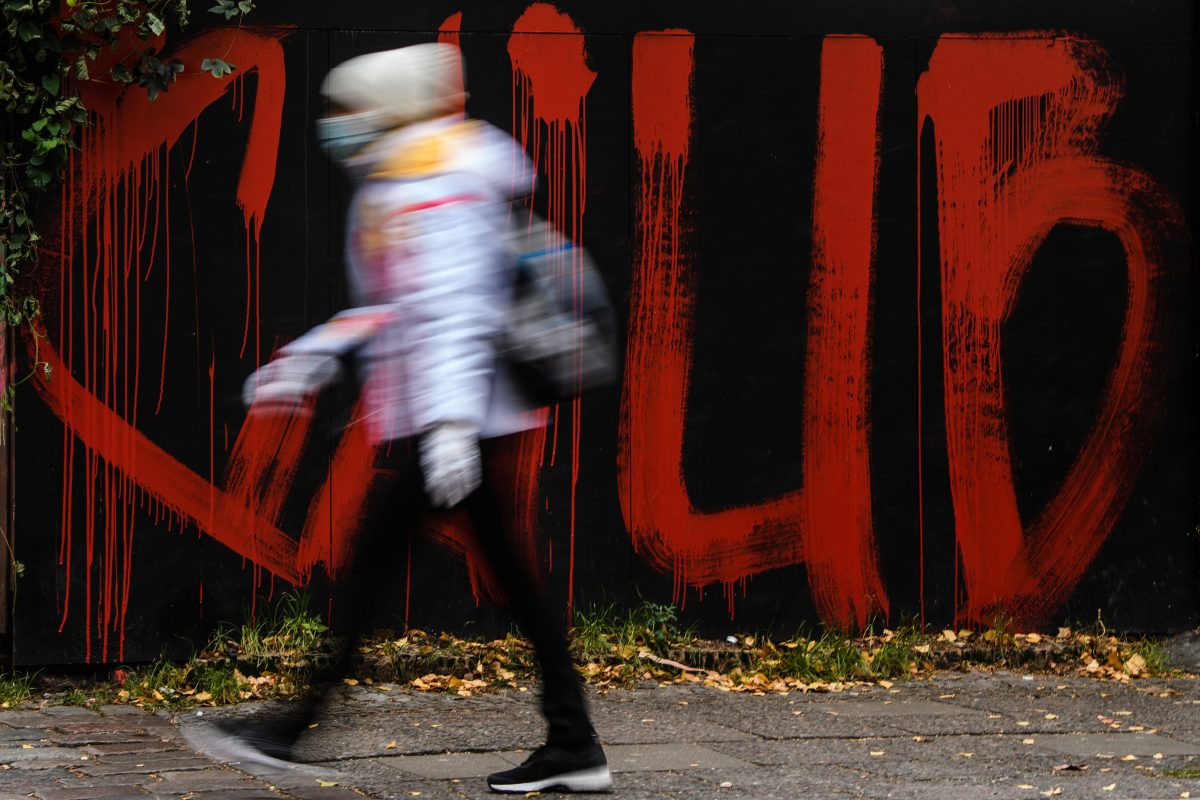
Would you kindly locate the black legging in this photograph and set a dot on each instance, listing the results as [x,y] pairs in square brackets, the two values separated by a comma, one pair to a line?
[396,507]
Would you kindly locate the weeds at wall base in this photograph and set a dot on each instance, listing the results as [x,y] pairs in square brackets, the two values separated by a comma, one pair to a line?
[272,658]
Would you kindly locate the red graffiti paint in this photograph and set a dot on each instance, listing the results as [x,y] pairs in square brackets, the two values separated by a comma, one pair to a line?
[839,545]
[450,28]
[163,486]
[1017,120]
[115,204]
[336,516]
[260,472]
[827,524]
[551,80]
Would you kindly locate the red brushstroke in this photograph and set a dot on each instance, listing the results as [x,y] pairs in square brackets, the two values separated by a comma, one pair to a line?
[450,28]
[1016,120]
[551,80]
[260,472]
[336,515]
[839,542]
[828,524]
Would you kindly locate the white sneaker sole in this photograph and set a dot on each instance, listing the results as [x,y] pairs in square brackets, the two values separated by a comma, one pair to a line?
[593,779]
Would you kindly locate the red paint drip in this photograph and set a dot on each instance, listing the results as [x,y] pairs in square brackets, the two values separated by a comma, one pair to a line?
[696,547]
[551,80]
[1016,121]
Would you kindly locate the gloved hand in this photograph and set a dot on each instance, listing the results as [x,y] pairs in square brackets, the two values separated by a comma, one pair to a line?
[284,384]
[451,463]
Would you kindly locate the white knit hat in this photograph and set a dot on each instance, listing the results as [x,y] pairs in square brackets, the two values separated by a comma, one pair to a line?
[406,85]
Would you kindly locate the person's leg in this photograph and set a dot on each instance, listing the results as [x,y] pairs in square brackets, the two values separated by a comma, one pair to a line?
[572,758]
[539,620]
[394,504]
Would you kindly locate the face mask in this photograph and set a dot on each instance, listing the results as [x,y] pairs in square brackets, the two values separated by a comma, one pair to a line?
[344,135]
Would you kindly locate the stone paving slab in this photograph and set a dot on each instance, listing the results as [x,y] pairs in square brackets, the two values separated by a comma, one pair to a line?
[204,780]
[616,724]
[10,737]
[89,792]
[13,755]
[787,721]
[668,757]
[450,765]
[375,778]
[893,708]
[240,794]
[1115,744]
[140,763]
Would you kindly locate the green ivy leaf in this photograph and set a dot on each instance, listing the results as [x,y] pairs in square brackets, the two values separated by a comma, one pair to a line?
[121,73]
[218,67]
[27,30]
[51,84]
[156,25]
[226,7]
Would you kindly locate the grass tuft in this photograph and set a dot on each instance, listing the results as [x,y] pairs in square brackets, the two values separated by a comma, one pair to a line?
[15,688]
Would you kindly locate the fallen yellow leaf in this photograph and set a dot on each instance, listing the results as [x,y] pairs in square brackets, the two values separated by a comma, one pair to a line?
[350,681]
[390,745]
[325,784]
[1108,788]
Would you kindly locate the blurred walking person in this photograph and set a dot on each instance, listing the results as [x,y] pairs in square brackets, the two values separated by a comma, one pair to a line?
[426,254]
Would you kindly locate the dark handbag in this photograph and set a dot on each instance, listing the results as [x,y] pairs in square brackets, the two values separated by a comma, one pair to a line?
[559,336]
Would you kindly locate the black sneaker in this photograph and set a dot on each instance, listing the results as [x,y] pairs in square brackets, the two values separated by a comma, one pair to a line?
[554,769]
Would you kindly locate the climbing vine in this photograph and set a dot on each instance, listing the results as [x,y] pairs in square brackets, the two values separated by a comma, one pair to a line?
[48,50]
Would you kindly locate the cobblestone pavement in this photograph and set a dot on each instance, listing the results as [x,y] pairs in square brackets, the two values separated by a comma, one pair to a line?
[978,735]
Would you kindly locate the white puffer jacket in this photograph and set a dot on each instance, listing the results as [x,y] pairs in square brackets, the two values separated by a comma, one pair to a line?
[425,233]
